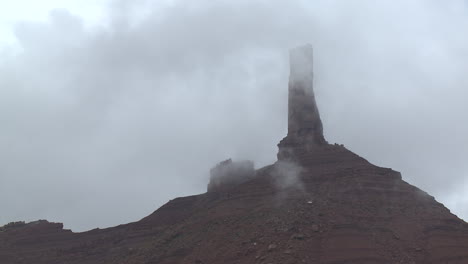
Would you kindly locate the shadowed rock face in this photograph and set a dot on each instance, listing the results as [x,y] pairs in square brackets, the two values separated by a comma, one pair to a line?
[340,209]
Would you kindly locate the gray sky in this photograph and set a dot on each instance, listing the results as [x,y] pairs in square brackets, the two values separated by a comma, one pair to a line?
[109,109]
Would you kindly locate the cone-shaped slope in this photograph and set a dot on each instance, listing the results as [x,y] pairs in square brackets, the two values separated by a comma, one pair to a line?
[331,207]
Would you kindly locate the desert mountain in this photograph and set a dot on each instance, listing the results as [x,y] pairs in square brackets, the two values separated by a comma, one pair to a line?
[319,203]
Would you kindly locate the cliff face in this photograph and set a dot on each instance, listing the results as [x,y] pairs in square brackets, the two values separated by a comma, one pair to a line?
[320,203]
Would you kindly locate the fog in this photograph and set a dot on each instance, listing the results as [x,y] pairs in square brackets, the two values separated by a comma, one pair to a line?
[101,125]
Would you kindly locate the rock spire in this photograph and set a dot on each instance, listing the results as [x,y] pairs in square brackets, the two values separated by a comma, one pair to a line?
[305,128]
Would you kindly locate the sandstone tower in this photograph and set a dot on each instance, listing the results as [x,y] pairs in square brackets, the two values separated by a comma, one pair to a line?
[305,129]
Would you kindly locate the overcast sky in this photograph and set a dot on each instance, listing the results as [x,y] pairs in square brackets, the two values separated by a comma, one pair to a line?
[108,109]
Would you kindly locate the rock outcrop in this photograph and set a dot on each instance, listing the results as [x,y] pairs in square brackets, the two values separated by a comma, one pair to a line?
[229,174]
[341,209]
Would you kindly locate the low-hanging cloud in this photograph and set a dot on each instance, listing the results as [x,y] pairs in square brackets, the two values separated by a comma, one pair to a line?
[100,126]
[287,176]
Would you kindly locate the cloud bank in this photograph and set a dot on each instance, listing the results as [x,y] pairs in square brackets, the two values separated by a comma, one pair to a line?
[100,126]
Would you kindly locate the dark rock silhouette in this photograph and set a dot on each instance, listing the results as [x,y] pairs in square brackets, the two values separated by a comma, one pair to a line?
[340,209]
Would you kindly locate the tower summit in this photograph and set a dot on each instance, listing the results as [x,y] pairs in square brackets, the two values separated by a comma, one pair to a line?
[305,128]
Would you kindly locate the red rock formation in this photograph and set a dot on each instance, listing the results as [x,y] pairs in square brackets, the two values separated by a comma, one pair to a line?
[305,130]
[342,210]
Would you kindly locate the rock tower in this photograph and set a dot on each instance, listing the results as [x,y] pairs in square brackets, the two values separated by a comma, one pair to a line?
[305,130]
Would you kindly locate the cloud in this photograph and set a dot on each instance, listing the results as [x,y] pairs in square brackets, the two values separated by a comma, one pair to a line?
[287,176]
[113,121]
